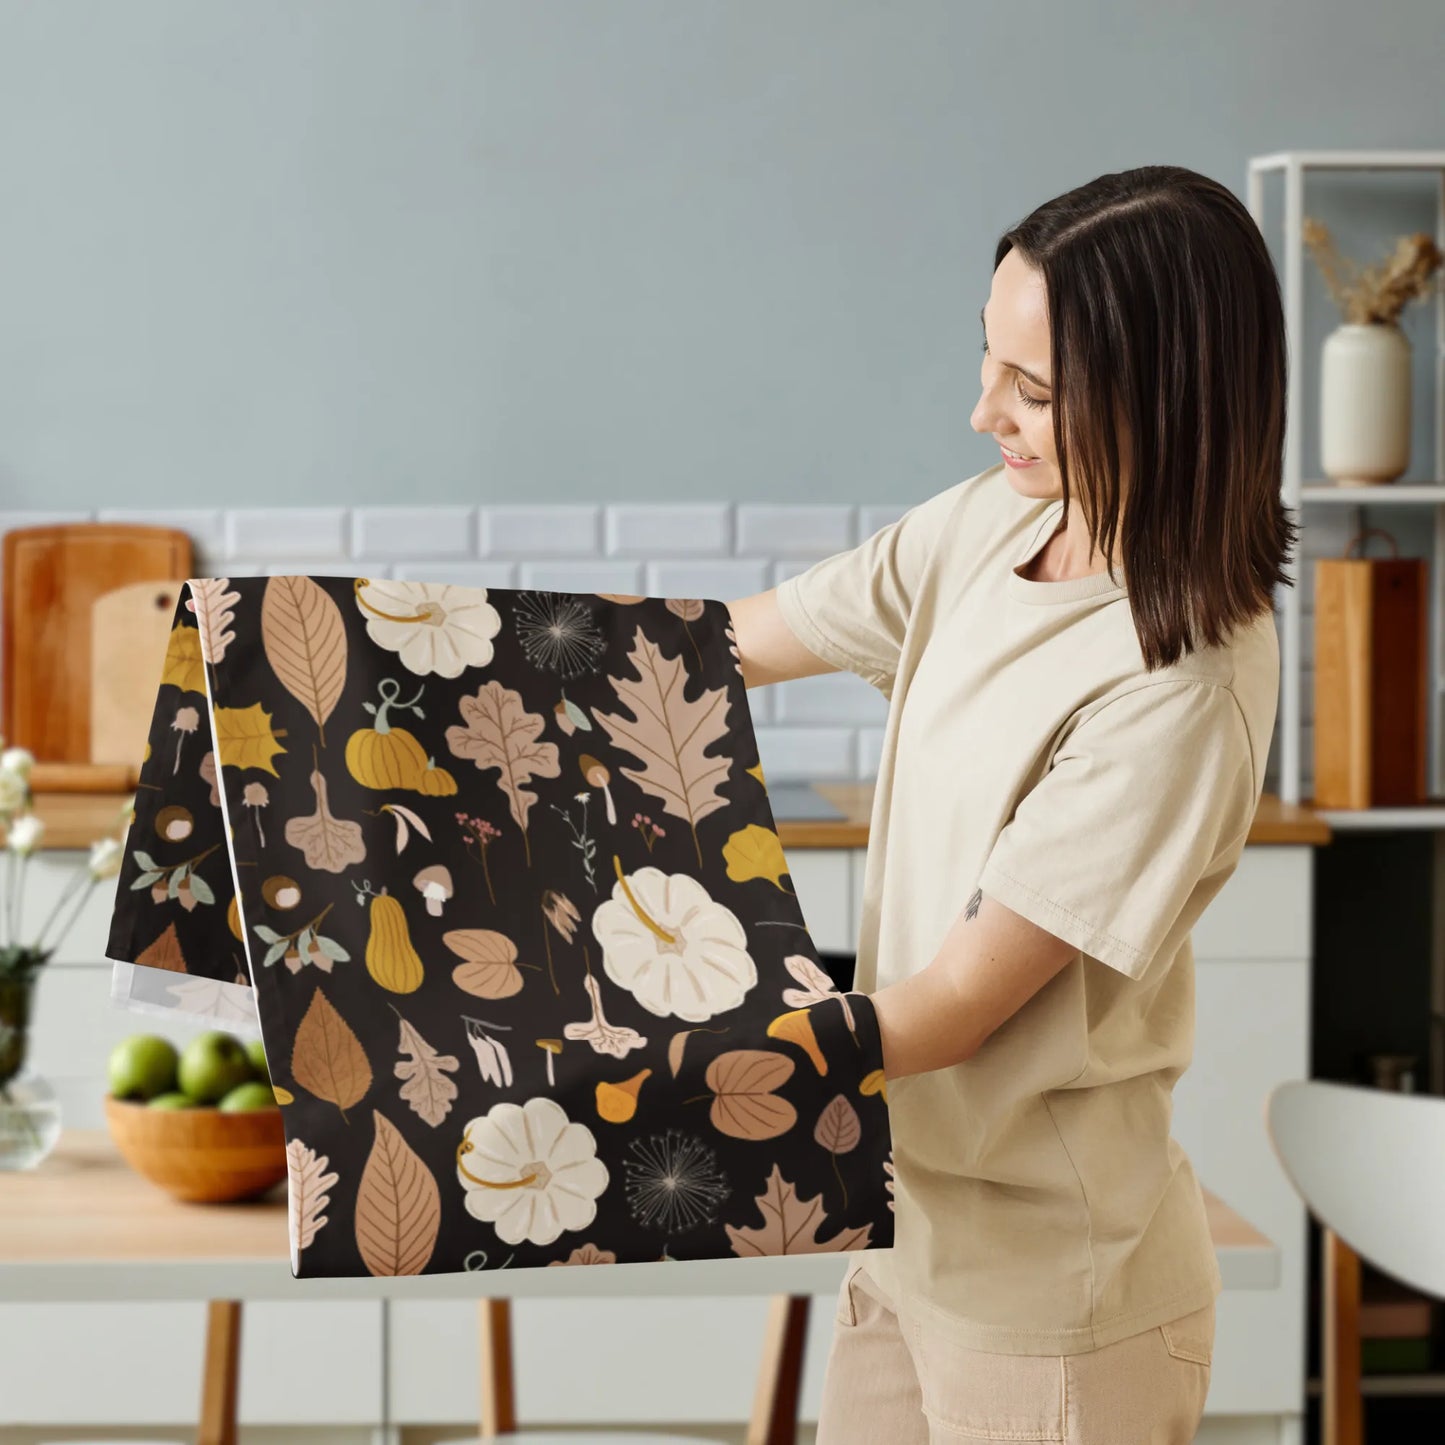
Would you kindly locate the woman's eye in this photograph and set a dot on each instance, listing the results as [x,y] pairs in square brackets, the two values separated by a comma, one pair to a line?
[1022,396]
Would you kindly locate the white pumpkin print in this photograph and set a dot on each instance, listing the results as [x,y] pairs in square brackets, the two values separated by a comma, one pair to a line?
[673,946]
[530,1171]
[433,627]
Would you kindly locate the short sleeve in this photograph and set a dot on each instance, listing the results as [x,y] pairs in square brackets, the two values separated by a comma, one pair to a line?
[1138,822]
[852,609]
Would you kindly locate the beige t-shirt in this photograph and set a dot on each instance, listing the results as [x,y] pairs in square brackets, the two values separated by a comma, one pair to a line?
[1042,1206]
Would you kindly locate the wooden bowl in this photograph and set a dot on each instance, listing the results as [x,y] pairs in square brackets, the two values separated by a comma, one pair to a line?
[200,1154]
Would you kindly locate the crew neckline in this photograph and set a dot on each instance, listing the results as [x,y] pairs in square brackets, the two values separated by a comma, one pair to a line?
[1070,589]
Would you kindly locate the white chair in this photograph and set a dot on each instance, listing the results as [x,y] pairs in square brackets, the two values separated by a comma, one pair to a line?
[1369,1164]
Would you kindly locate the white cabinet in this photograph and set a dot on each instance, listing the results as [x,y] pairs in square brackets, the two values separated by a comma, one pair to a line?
[656,1360]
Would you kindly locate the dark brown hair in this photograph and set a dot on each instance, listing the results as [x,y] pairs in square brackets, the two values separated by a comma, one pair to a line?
[1167,348]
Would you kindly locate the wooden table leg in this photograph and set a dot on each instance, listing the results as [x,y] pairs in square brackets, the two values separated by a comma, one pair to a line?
[221,1379]
[1341,1403]
[499,1403]
[780,1373]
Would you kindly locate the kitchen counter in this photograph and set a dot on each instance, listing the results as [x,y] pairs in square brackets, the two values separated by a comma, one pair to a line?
[75,820]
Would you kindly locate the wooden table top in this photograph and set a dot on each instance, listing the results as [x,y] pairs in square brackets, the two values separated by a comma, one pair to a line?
[84,1225]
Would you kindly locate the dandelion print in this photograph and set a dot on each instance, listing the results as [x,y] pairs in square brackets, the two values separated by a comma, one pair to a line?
[673,1182]
[558,633]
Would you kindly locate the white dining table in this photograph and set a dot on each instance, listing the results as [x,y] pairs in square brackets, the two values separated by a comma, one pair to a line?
[84,1226]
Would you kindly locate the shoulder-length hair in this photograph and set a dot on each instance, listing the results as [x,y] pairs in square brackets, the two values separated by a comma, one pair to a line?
[1167,348]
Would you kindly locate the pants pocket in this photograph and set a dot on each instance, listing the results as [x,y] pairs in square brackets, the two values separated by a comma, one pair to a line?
[1191,1336]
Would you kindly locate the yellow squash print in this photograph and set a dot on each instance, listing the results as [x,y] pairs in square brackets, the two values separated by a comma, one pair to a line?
[390,957]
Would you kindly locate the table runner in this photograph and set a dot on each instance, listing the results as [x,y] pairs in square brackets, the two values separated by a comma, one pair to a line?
[495,874]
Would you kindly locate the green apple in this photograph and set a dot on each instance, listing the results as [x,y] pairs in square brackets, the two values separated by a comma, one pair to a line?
[256,1052]
[142,1066]
[212,1064]
[251,1095]
[173,1100]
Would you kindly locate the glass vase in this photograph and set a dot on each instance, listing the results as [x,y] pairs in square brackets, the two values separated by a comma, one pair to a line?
[29,1108]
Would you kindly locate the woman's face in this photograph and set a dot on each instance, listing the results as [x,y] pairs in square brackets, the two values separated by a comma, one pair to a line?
[1016,407]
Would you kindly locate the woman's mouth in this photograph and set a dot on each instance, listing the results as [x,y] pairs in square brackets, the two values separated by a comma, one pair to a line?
[1014,459]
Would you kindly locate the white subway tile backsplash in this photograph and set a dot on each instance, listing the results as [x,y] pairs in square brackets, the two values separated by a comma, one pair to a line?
[9,521]
[726,581]
[841,697]
[326,567]
[459,574]
[778,529]
[561,575]
[818,753]
[870,749]
[640,529]
[204,525]
[556,530]
[272,533]
[872,519]
[418,531]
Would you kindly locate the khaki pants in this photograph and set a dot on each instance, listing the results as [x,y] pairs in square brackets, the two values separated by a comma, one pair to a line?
[893,1381]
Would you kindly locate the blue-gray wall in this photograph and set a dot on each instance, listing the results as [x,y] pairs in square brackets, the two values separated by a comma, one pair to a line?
[347,251]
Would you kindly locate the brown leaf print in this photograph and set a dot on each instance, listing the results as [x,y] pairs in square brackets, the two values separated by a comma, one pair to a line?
[839,1129]
[212,599]
[427,1088]
[670,735]
[790,1225]
[330,844]
[398,1205]
[490,970]
[500,733]
[165,952]
[305,641]
[306,1197]
[687,608]
[745,1106]
[327,1058]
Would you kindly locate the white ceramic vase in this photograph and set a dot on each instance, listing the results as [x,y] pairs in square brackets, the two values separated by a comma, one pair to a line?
[1365,404]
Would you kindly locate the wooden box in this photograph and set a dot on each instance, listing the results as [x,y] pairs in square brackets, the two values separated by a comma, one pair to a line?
[1372,679]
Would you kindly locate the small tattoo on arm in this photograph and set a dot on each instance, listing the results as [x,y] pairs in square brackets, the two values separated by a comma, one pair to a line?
[972,910]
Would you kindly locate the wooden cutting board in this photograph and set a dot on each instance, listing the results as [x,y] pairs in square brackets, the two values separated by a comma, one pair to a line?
[53,577]
[130,628]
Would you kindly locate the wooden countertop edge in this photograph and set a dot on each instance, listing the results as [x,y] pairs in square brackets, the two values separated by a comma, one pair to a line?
[84,1202]
[75,820]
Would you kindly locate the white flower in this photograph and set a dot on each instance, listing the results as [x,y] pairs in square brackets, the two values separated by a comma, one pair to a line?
[12,792]
[105,858]
[17,760]
[24,833]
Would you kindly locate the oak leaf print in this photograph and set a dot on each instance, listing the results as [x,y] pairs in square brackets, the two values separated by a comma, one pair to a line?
[212,599]
[427,1088]
[306,1197]
[500,733]
[305,641]
[670,735]
[790,1225]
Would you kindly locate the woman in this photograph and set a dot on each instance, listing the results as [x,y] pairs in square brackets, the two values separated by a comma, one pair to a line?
[1079,649]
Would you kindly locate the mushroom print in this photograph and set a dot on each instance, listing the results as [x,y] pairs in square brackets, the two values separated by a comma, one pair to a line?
[434,883]
[597,775]
[504,1031]
[255,797]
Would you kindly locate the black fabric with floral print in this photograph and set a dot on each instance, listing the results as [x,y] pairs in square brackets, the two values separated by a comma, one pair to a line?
[533,984]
